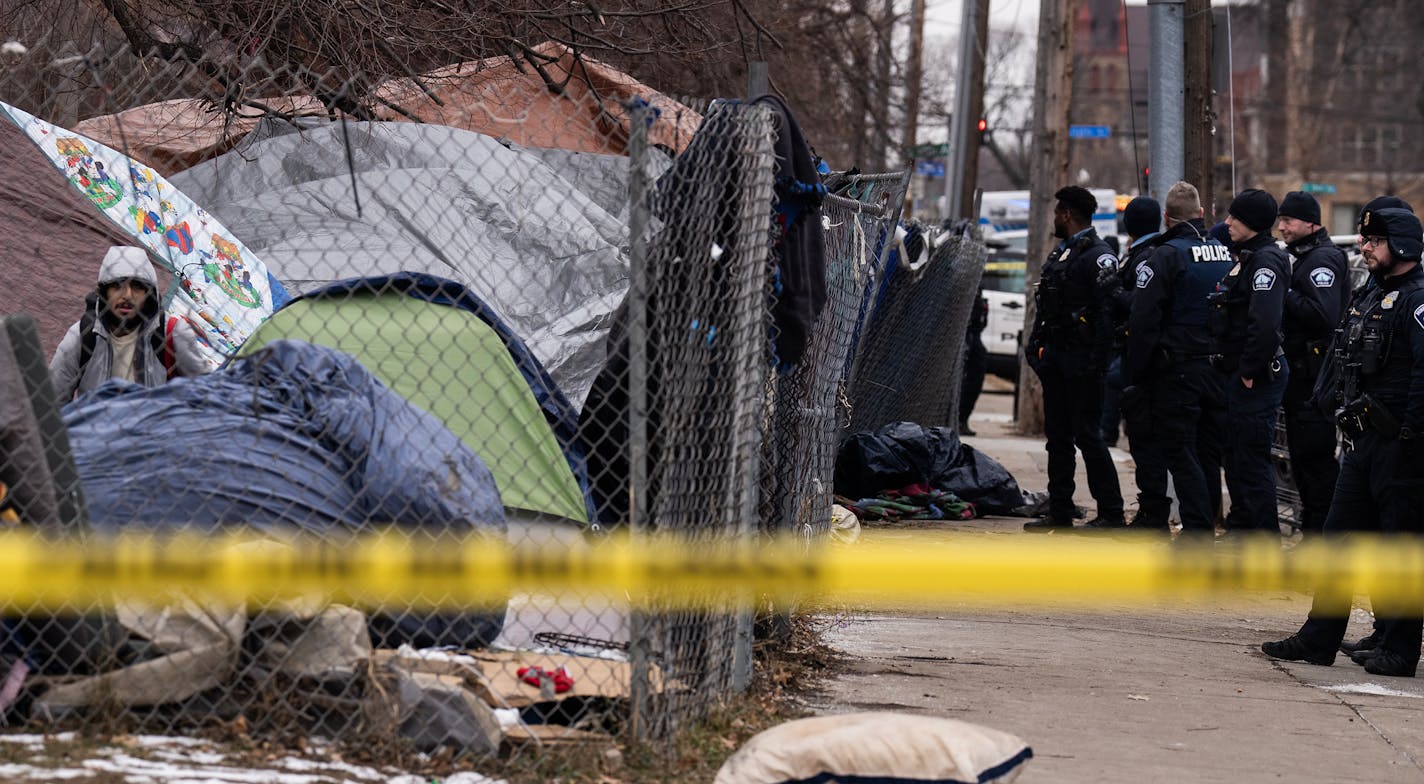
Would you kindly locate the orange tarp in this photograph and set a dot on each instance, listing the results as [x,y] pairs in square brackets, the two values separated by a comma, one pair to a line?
[498,97]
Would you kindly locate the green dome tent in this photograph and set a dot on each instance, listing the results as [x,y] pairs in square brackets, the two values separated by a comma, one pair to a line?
[441,348]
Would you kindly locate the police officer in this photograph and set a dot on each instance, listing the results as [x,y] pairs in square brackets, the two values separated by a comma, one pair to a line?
[1315,302]
[1142,220]
[1380,397]
[1172,384]
[1068,349]
[1245,322]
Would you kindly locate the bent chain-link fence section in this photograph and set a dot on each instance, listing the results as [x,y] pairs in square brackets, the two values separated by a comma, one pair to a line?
[457,303]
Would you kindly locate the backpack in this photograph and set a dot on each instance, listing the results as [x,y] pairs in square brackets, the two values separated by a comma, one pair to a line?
[161,343]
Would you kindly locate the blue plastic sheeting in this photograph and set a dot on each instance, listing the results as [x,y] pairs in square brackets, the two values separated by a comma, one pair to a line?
[295,435]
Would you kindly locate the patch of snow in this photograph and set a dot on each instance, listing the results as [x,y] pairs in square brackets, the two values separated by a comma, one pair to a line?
[466,777]
[19,737]
[303,764]
[151,741]
[1369,688]
[32,773]
[508,717]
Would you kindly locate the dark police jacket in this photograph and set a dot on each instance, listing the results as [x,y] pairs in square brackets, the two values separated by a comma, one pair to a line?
[1384,334]
[1247,327]
[1315,303]
[1120,302]
[1072,324]
[1169,307]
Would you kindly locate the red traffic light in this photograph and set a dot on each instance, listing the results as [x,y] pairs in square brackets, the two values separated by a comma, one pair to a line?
[983,125]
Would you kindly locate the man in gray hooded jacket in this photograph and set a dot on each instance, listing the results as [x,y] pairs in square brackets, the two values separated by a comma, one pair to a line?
[127,337]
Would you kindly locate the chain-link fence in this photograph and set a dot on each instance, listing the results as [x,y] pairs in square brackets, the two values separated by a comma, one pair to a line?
[911,358]
[458,302]
[809,411]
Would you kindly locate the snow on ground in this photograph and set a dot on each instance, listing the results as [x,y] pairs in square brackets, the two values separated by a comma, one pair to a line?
[160,759]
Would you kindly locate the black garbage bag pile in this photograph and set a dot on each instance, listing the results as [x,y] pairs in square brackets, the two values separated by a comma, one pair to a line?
[904,453]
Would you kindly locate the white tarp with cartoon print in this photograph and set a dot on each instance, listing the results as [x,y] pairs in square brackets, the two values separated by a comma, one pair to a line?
[224,292]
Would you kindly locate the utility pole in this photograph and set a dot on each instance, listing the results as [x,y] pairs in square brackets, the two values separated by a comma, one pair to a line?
[970,177]
[914,76]
[959,172]
[1200,112]
[1166,74]
[1048,170]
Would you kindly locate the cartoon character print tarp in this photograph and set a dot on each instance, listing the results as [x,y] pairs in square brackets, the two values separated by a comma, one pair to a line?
[224,292]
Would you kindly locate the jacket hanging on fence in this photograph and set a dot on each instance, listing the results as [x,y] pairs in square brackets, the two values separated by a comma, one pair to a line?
[799,247]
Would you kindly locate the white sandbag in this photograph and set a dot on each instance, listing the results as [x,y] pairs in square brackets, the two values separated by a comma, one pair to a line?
[885,747]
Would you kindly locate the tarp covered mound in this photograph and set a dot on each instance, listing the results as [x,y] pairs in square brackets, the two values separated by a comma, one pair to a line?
[295,435]
[498,96]
[904,453]
[538,235]
[441,348]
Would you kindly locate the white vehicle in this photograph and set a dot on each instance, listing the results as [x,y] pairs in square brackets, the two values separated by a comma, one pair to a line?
[1003,284]
[1007,211]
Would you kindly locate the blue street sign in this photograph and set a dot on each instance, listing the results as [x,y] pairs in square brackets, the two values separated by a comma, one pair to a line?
[1089,131]
[931,169]
[1317,187]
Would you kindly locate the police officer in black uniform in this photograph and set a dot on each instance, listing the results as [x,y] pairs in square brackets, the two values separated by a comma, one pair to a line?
[1245,322]
[1380,410]
[1315,302]
[1168,365]
[1142,220]
[1068,349]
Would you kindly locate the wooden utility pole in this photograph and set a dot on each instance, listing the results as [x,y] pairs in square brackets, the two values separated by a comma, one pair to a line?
[1200,158]
[976,110]
[914,77]
[1048,171]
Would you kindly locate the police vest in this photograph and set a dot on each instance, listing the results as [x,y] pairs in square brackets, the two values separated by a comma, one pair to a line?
[1204,264]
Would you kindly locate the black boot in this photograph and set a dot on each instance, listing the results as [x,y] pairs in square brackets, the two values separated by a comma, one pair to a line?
[1372,640]
[1045,525]
[1363,655]
[1391,664]
[1293,648]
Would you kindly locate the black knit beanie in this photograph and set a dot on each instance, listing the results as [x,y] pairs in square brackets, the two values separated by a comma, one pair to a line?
[1255,208]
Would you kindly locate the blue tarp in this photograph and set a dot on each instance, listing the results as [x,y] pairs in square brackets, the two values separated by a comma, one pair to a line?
[295,435]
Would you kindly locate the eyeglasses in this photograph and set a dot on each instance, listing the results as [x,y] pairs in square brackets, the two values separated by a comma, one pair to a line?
[1365,242]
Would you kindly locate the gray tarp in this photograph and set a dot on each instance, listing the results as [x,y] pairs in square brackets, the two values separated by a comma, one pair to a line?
[540,235]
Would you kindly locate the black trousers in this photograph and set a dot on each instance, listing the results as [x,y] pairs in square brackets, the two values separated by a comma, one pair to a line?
[1182,401]
[1072,417]
[976,363]
[1250,467]
[1312,440]
[1369,497]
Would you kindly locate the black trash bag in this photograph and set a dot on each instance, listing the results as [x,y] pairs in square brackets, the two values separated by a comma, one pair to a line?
[903,453]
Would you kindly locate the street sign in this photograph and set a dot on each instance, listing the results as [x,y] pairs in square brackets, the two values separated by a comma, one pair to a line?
[929,150]
[931,169]
[1317,187]
[1089,131]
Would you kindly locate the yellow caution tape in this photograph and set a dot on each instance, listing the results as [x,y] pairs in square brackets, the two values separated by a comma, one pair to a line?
[904,570]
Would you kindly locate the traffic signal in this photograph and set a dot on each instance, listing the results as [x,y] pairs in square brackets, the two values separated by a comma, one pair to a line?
[983,128]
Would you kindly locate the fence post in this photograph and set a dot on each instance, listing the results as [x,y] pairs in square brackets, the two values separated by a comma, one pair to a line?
[638,219]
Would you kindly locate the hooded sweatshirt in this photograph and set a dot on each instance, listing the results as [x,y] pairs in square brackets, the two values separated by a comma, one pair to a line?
[148,369]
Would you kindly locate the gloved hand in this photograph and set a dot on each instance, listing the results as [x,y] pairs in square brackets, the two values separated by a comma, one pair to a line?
[1108,281]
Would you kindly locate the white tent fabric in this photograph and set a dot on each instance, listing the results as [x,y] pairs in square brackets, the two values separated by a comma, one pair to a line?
[540,235]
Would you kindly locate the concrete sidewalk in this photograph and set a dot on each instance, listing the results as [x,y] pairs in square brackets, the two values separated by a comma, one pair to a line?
[1130,693]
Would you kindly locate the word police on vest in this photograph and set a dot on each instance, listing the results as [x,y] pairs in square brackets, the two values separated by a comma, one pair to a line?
[1210,253]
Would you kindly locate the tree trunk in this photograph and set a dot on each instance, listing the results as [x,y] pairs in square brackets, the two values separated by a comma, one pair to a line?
[1048,171]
